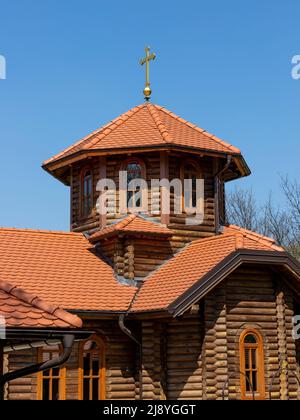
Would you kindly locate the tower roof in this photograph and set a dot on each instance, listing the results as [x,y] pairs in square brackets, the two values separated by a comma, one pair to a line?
[132,224]
[146,127]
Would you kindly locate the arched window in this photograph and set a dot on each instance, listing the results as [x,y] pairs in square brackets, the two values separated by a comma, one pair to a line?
[51,383]
[92,370]
[86,192]
[135,169]
[252,365]
[190,171]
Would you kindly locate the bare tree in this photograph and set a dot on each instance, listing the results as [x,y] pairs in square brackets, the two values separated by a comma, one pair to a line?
[241,209]
[291,190]
[281,222]
[276,223]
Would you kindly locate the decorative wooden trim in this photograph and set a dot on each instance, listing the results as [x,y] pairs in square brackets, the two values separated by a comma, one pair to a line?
[102,369]
[260,393]
[40,375]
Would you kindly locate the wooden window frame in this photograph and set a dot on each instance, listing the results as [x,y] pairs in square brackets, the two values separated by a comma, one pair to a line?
[199,172]
[102,369]
[260,393]
[82,197]
[41,377]
[138,161]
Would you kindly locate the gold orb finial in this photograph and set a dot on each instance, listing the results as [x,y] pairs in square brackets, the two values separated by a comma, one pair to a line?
[147,93]
[146,60]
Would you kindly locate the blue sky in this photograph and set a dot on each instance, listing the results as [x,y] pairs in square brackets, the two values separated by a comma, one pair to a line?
[73,66]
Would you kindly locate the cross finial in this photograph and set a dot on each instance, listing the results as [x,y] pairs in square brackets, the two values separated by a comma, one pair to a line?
[146,60]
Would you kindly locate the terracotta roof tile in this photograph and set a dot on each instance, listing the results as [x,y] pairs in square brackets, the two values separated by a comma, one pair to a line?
[61,268]
[147,125]
[132,224]
[177,275]
[22,309]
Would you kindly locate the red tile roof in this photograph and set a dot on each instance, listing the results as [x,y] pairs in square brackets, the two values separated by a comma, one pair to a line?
[145,126]
[61,268]
[22,309]
[176,276]
[132,224]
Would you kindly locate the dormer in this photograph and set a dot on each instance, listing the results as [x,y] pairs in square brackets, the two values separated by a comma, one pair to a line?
[149,142]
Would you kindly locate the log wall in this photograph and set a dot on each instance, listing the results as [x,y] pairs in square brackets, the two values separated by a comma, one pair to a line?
[197,355]
[120,360]
[182,232]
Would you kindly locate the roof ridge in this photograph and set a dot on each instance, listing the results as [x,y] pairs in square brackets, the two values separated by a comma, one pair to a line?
[42,231]
[254,236]
[198,129]
[159,124]
[252,233]
[35,301]
[132,111]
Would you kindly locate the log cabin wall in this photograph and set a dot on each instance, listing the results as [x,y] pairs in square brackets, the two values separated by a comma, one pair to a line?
[184,358]
[182,232]
[153,360]
[249,298]
[178,222]
[136,257]
[200,357]
[121,358]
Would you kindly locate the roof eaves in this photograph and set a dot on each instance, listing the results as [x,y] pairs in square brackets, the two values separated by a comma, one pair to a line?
[230,263]
[40,304]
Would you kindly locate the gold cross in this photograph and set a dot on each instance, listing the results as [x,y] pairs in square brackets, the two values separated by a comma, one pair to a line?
[146,60]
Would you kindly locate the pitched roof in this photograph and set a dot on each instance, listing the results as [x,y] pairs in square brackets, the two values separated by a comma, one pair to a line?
[147,125]
[61,268]
[22,309]
[133,224]
[180,273]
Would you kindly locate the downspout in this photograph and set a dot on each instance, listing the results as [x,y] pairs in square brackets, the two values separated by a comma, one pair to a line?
[67,341]
[217,175]
[129,333]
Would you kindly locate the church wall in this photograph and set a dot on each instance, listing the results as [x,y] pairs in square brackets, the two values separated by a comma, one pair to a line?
[197,356]
[182,232]
[257,298]
[120,359]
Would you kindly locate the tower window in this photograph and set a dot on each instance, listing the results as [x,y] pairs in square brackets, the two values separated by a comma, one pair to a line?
[252,365]
[136,170]
[87,193]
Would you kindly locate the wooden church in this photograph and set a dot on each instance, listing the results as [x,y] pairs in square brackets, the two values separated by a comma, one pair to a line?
[177,310]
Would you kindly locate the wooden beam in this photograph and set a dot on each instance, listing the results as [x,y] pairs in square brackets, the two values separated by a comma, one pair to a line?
[102,175]
[164,174]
